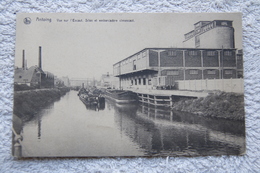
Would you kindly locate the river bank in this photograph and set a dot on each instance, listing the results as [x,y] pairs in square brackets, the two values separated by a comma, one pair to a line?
[217,105]
[28,103]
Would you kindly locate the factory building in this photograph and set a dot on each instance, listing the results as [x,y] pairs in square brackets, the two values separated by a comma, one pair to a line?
[33,77]
[162,67]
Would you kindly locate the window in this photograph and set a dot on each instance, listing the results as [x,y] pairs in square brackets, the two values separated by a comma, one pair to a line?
[211,53]
[172,72]
[134,65]
[144,54]
[239,57]
[144,81]
[149,81]
[172,53]
[193,53]
[228,72]
[197,25]
[228,53]
[211,71]
[135,81]
[194,71]
[20,76]
[138,56]
[197,41]
[224,23]
[139,81]
[197,31]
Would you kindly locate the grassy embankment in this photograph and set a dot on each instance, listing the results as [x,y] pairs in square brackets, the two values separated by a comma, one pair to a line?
[217,105]
[28,103]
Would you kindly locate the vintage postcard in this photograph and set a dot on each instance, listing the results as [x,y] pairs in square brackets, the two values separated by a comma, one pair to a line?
[106,85]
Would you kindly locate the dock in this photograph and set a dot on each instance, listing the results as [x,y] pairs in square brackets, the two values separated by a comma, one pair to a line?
[166,97]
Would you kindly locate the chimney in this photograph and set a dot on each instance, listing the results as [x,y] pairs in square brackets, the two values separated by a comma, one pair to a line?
[25,66]
[23,63]
[40,57]
[82,85]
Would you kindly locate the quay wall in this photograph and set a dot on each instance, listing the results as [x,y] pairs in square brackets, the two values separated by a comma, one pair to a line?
[28,103]
[226,85]
[217,104]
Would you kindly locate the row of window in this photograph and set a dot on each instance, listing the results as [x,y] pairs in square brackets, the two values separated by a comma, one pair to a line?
[172,53]
[139,81]
[195,53]
[195,71]
[138,56]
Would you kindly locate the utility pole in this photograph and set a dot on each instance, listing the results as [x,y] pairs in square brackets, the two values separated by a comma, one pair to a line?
[222,61]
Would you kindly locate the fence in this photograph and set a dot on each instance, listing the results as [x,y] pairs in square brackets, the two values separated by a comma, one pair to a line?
[227,85]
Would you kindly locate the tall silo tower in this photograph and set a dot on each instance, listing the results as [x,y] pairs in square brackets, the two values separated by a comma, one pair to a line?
[211,34]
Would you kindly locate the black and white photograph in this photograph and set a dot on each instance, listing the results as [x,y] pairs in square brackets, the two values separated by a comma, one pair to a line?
[128,84]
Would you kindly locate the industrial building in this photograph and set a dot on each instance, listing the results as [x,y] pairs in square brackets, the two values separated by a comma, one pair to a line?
[162,67]
[33,77]
[211,34]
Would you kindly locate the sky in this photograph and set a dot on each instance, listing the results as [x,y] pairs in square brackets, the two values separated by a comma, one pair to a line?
[85,46]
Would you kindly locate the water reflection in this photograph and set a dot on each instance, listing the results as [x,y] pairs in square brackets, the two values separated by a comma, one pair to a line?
[39,126]
[98,107]
[164,132]
[70,128]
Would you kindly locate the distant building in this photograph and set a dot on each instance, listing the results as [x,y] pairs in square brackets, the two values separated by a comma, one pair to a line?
[66,81]
[34,77]
[109,81]
[58,82]
[153,67]
[77,82]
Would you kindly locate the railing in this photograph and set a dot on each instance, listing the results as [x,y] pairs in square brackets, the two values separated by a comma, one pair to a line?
[226,85]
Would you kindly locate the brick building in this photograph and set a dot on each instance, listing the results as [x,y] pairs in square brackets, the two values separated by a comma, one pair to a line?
[34,76]
[153,67]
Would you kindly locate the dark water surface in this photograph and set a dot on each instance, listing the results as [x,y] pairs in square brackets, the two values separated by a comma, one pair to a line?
[69,128]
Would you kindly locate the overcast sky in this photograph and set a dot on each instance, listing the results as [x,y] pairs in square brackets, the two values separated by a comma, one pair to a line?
[89,49]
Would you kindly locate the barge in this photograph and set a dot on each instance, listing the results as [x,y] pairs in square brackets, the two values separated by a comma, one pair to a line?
[90,97]
[121,96]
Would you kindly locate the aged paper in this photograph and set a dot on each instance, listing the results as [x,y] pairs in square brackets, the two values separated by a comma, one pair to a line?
[98,85]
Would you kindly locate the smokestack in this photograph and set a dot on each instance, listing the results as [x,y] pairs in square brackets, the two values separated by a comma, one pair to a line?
[40,57]
[82,85]
[23,66]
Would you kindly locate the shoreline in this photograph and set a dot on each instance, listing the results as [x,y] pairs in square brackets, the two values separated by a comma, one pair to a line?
[216,105]
[29,102]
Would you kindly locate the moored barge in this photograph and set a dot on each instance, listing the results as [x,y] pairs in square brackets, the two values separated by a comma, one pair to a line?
[121,96]
[90,97]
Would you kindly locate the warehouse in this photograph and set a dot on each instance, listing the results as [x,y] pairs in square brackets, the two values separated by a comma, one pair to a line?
[162,67]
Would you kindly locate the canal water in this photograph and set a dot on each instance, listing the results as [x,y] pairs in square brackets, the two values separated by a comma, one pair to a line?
[69,128]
